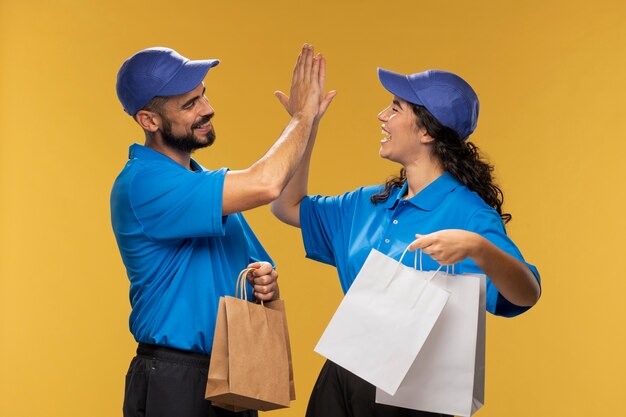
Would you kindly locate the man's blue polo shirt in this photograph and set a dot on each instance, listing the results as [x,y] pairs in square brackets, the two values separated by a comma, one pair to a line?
[342,230]
[180,253]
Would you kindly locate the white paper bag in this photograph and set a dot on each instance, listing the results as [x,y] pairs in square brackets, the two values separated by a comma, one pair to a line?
[448,375]
[383,321]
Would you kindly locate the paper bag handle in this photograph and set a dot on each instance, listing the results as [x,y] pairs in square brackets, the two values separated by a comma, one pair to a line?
[415,264]
[395,272]
[241,290]
[448,267]
[428,280]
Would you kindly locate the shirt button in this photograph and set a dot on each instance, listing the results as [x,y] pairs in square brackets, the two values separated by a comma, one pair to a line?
[387,241]
[395,222]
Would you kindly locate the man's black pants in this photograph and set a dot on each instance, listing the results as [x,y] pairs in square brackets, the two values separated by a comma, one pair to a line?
[164,382]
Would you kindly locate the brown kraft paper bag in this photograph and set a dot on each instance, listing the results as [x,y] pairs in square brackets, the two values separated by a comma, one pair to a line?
[251,358]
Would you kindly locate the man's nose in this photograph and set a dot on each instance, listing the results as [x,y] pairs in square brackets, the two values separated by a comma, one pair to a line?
[206,107]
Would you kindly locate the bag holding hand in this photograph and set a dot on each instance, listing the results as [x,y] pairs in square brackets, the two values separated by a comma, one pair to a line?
[250,364]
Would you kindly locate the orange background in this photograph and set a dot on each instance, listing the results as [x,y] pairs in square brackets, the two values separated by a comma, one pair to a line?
[550,76]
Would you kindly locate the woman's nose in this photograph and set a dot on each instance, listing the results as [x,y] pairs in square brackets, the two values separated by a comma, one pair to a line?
[382,116]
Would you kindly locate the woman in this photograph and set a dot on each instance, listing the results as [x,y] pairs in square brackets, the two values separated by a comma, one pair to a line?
[444,202]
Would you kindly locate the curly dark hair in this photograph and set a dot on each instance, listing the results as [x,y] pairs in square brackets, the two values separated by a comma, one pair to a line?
[460,158]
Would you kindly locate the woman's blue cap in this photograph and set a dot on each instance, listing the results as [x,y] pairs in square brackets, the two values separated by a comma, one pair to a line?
[445,95]
[156,72]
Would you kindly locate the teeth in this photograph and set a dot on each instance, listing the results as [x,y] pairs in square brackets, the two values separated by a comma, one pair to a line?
[386,135]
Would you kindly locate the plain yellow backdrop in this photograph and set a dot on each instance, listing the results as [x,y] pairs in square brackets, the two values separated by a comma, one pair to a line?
[551,76]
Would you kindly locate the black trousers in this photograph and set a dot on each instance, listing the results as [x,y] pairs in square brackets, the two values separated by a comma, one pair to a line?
[164,382]
[340,393]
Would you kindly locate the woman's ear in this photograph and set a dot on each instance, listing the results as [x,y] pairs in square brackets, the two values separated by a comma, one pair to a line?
[425,137]
[148,120]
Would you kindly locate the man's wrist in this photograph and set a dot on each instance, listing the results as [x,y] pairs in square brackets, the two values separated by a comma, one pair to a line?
[304,116]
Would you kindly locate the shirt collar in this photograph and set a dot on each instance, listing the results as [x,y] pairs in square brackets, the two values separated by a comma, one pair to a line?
[143,152]
[394,196]
[430,197]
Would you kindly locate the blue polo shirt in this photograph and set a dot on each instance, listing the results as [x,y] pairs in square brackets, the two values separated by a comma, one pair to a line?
[342,230]
[180,253]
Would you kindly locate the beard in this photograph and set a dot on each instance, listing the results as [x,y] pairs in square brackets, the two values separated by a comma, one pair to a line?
[188,142]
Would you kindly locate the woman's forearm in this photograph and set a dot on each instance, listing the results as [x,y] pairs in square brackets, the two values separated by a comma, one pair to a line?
[513,279]
[287,206]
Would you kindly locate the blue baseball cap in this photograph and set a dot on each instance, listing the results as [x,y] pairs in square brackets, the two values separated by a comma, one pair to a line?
[156,72]
[445,95]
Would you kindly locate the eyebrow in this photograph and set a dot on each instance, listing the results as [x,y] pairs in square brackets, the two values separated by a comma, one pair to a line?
[397,103]
[191,100]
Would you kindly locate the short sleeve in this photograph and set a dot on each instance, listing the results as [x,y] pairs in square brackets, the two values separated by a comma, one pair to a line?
[322,220]
[487,223]
[256,251]
[176,204]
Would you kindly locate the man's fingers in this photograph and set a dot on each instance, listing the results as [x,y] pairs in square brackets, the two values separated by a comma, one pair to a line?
[308,63]
[305,93]
[328,98]
[259,269]
[283,98]
[298,71]
[264,279]
[266,292]
[322,73]
[315,69]
[265,286]
[264,269]
[265,289]
[265,297]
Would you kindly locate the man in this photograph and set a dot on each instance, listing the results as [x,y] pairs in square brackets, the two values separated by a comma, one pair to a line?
[178,225]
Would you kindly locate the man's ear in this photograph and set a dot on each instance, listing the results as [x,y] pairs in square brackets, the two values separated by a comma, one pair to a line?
[149,121]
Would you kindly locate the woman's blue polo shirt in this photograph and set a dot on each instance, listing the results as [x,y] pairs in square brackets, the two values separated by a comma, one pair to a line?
[342,230]
[180,253]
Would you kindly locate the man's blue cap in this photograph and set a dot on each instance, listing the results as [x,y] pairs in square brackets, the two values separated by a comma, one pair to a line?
[445,95]
[156,72]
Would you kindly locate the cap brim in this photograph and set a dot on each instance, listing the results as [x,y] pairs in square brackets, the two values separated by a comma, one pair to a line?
[188,77]
[398,85]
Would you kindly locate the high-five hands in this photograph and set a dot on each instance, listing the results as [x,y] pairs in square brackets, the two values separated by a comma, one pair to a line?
[307,85]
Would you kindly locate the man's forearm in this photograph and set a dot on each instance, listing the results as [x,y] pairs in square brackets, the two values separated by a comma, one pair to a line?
[263,182]
[286,157]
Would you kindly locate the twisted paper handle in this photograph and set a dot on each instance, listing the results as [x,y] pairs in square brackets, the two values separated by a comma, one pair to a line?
[415,262]
[448,267]
[241,290]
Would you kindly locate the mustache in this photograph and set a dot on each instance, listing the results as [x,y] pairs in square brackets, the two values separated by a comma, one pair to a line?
[202,121]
